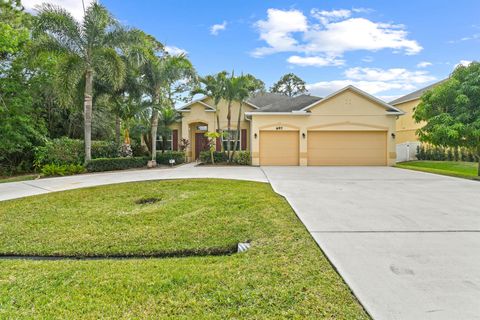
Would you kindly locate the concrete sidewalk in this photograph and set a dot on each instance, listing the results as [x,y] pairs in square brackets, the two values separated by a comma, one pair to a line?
[13,190]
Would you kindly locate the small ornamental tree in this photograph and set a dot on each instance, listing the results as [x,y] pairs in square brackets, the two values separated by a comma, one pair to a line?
[212,139]
[452,111]
[290,85]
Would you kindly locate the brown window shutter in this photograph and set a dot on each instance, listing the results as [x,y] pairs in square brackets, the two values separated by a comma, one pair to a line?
[218,144]
[244,139]
[175,140]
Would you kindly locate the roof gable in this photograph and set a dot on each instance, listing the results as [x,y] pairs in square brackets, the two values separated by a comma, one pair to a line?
[416,94]
[388,108]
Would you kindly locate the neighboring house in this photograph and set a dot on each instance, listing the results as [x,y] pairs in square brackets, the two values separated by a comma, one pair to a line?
[407,139]
[348,127]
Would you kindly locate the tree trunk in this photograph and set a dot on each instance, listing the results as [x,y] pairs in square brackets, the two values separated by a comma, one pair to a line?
[164,141]
[238,130]
[154,124]
[117,129]
[148,143]
[219,130]
[229,117]
[87,114]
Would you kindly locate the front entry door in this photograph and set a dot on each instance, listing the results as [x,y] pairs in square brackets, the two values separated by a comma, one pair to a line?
[201,144]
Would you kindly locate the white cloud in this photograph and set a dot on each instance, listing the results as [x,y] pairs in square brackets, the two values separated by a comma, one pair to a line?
[324,88]
[277,30]
[174,51]
[424,64]
[73,6]
[315,61]
[326,16]
[464,63]
[216,28]
[374,81]
[359,34]
[338,32]
[393,74]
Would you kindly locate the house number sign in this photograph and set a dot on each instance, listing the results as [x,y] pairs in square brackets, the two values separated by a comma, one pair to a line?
[279,128]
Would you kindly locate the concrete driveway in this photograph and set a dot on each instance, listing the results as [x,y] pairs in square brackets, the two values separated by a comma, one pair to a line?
[13,190]
[407,243]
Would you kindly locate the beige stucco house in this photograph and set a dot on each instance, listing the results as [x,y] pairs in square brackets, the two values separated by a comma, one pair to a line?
[407,139]
[348,127]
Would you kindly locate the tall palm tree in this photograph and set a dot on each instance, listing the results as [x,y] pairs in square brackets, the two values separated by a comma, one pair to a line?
[88,50]
[248,85]
[164,77]
[232,87]
[213,86]
[167,117]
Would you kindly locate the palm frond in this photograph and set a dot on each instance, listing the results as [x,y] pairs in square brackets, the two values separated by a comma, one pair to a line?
[69,80]
[109,67]
[60,25]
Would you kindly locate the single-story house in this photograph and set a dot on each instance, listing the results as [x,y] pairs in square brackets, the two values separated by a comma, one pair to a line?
[348,127]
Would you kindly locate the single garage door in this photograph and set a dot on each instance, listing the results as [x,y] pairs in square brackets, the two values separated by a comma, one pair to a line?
[279,148]
[347,148]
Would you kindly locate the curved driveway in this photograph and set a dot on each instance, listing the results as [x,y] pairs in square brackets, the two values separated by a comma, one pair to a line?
[407,243]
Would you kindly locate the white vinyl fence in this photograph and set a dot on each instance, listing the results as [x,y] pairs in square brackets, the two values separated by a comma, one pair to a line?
[407,151]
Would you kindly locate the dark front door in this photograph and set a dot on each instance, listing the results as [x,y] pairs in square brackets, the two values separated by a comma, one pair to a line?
[201,143]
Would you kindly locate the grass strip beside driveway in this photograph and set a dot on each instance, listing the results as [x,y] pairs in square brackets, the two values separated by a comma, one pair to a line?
[467,170]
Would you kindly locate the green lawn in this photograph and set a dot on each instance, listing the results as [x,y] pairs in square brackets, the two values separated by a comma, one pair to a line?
[283,275]
[449,168]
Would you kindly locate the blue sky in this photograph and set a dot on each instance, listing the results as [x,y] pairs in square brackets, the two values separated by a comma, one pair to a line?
[387,48]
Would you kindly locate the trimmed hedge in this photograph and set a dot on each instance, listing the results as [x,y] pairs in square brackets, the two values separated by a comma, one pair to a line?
[240,157]
[444,154]
[163,158]
[218,157]
[72,151]
[53,169]
[109,164]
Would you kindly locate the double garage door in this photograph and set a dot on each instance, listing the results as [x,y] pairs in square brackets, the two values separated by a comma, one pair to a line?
[325,148]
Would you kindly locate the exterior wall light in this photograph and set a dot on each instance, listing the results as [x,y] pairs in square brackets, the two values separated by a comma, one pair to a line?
[393,135]
[255,135]
[303,135]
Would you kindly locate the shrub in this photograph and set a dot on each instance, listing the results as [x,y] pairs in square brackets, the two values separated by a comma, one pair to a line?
[71,151]
[62,170]
[163,158]
[218,157]
[139,150]
[426,152]
[108,164]
[242,158]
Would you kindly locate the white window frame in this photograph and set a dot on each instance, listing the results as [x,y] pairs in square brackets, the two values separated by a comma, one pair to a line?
[225,140]
[169,139]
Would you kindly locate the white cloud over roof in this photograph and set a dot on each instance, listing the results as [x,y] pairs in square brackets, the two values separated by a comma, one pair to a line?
[328,35]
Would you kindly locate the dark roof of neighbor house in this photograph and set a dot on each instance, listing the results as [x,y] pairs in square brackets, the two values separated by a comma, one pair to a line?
[263,99]
[290,104]
[416,94]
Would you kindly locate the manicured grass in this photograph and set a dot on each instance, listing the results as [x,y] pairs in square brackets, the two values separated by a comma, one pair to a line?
[24,177]
[283,275]
[449,168]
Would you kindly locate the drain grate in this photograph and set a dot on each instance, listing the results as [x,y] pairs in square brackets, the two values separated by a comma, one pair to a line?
[243,246]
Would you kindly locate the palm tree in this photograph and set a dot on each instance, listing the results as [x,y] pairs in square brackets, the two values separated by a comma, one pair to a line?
[167,117]
[88,50]
[248,84]
[164,77]
[214,86]
[232,87]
